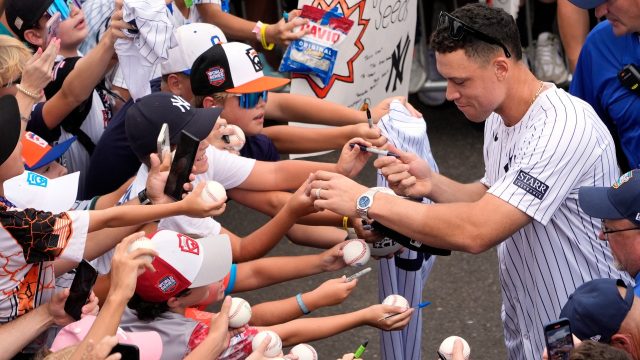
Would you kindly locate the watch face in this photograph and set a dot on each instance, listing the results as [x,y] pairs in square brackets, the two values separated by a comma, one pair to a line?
[364,202]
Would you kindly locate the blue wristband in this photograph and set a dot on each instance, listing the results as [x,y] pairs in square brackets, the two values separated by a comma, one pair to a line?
[303,307]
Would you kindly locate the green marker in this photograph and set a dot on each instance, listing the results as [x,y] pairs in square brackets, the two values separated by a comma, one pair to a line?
[361,349]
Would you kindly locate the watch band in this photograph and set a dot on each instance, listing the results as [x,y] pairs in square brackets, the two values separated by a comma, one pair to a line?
[363,210]
[143,198]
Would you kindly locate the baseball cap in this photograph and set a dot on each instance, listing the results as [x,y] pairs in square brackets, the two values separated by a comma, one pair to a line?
[620,201]
[23,15]
[182,263]
[10,124]
[233,67]
[596,309]
[36,152]
[144,120]
[193,39]
[587,4]
[148,342]
[31,190]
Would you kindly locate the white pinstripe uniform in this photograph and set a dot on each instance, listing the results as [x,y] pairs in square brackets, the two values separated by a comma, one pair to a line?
[537,166]
[407,273]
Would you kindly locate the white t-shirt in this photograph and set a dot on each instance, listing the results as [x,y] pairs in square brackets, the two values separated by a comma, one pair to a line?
[538,165]
[193,16]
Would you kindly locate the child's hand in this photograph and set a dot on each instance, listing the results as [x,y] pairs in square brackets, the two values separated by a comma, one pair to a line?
[258,354]
[332,259]
[282,32]
[376,312]
[352,160]
[219,325]
[371,135]
[221,129]
[300,204]
[333,291]
[195,206]
[126,266]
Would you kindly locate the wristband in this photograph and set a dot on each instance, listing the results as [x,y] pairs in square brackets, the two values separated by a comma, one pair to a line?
[27,92]
[303,307]
[345,223]
[263,38]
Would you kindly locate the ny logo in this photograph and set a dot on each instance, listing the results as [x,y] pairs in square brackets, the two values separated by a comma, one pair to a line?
[397,63]
[180,102]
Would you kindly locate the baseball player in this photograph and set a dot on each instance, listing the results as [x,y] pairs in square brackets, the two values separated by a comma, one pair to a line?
[541,144]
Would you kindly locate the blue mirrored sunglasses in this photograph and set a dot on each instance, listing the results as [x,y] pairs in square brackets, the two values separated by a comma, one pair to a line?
[63,7]
[251,100]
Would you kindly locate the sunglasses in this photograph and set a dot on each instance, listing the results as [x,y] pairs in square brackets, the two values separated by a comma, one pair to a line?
[63,7]
[606,231]
[251,100]
[457,29]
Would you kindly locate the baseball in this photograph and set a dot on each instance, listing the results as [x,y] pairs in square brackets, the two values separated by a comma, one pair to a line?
[304,352]
[396,300]
[240,313]
[384,247]
[275,346]
[143,243]
[356,252]
[446,348]
[238,139]
[214,191]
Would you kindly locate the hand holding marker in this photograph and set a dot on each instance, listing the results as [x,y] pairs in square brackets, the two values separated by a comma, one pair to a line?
[417,307]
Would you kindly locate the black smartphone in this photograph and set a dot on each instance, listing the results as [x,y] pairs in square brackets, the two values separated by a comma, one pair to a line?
[181,165]
[559,340]
[128,351]
[80,289]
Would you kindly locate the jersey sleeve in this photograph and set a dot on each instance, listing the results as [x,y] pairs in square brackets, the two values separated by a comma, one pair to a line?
[549,160]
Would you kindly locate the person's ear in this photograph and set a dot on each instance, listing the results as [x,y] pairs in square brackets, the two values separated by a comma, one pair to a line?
[208,102]
[623,342]
[173,302]
[501,66]
[174,84]
[34,37]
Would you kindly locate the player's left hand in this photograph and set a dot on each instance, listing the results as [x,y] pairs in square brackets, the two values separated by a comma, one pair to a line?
[337,192]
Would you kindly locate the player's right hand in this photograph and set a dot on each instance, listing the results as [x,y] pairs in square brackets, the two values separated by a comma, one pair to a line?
[407,176]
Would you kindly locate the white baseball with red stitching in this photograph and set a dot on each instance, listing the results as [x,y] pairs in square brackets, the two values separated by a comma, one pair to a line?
[213,192]
[240,313]
[304,352]
[275,346]
[356,252]
[143,243]
[396,300]
[446,347]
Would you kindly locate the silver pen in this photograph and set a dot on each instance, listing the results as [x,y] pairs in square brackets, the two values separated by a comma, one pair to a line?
[375,150]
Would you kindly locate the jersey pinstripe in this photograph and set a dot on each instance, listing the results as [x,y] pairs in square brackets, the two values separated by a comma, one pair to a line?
[538,165]
[405,274]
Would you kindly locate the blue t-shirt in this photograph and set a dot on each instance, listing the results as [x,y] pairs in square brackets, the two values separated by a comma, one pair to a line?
[595,80]
[260,147]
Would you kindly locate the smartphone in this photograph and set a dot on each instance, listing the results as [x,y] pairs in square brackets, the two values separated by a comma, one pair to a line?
[51,29]
[181,165]
[164,141]
[358,274]
[559,340]
[128,351]
[80,289]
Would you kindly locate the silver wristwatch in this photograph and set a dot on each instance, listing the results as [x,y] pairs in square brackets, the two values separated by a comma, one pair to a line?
[364,202]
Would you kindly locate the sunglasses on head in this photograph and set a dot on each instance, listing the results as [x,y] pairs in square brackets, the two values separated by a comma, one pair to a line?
[457,29]
[251,100]
[63,7]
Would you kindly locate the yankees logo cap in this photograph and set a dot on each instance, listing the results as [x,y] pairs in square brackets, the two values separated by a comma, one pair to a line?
[184,263]
[193,40]
[232,67]
[618,201]
[144,120]
[36,152]
[23,15]
[10,124]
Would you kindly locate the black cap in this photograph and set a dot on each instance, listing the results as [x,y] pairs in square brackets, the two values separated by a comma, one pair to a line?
[144,120]
[23,15]
[10,125]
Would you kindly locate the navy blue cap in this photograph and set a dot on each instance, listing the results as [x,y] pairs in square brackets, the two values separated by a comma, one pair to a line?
[587,4]
[620,201]
[145,117]
[596,309]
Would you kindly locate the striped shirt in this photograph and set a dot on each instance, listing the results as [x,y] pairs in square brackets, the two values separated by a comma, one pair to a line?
[538,165]
[406,273]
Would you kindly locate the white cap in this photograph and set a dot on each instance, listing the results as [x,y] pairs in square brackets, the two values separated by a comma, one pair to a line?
[31,190]
[193,40]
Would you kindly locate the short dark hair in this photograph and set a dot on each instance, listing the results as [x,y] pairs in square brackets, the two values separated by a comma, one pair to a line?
[492,21]
[592,350]
[147,310]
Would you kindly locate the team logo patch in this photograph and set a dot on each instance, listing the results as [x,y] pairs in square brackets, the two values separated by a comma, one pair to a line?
[622,179]
[596,338]
[189,245]
[37,180]
[167,284]
[255,60]
[531,185]
[637,216]
[216,76]
[36,139]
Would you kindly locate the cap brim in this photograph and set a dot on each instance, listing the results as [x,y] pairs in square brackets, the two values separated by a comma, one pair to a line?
[260,84]
[587,4]
[10,123]
[201,124]
[595,202]
[216,261]
[53,154]
[55,195]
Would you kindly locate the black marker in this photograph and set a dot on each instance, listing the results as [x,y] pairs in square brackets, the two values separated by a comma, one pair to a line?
[375,150]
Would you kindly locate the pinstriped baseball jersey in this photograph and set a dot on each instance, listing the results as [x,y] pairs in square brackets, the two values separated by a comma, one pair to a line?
[405,274]
[537,166]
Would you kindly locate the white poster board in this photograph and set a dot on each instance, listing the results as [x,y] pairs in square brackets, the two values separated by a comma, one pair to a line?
[374,61]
